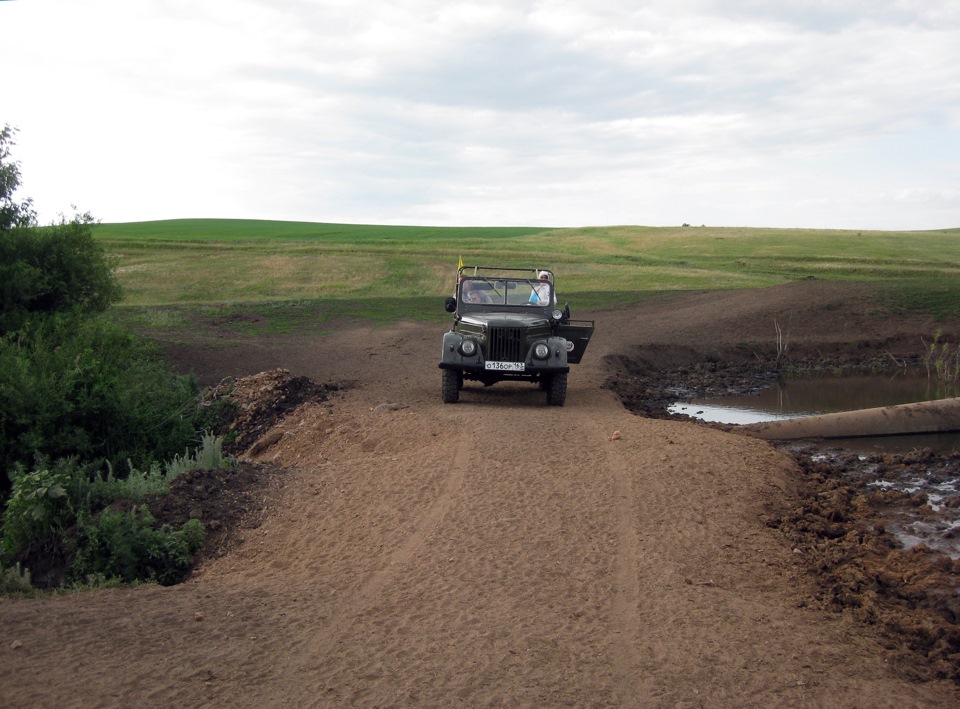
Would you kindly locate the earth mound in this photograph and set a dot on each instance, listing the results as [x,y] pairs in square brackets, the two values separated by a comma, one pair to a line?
[243,410]
[232,501]
[229,502]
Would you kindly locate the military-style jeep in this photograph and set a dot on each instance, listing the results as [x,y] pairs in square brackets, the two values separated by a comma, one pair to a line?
[507,326]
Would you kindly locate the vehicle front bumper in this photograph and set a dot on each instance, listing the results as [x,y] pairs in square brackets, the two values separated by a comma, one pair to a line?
[475,366]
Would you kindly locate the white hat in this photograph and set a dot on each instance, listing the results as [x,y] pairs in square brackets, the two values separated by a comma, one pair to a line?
[544,274]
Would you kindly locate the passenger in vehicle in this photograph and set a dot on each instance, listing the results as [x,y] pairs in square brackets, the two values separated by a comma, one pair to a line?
[540,294]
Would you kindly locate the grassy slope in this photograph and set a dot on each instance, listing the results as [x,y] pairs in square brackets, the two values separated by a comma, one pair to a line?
[388,271]
[234,230]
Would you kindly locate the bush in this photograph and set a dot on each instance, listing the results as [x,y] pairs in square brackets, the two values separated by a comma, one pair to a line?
[12,213]
[52,269]
[65,509]
[126,546]
[89,389]
[76,387]
[38,508]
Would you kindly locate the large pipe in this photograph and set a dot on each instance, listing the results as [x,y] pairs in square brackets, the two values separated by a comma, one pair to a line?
[922,417]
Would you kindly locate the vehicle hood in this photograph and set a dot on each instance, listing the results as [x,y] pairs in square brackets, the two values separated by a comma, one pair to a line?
[504,319]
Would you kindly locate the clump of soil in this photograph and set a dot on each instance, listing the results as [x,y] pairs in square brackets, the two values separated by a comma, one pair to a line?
[242,410]
[229,502]
[840,531]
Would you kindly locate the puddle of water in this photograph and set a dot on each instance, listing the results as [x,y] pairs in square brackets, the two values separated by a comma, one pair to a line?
[810,396]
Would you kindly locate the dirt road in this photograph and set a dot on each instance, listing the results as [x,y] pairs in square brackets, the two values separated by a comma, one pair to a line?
[494,552]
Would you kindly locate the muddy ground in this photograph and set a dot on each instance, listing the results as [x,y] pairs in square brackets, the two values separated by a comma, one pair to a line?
[379,548]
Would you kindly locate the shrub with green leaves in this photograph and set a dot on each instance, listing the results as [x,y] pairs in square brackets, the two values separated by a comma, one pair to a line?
[126,546]
[53,269]
[67,505]
[89,389]
[75,387]
[50,269]
[39,508]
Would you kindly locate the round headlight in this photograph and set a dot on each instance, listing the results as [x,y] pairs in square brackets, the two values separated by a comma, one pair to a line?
[468,348]
[558,314]
[541,351]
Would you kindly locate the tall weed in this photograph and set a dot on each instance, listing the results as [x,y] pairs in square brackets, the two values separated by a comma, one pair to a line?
[942,360]
[209,456]
[15,580]
[135,486]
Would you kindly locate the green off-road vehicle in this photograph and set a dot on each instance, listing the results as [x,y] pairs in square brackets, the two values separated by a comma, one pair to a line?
[507,326]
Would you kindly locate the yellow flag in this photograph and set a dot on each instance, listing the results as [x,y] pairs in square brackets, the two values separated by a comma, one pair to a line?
[460,264]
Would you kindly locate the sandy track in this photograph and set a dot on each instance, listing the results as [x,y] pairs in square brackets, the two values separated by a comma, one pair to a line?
[492,553]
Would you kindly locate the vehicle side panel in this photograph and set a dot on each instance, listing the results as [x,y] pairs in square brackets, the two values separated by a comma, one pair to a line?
[578,334]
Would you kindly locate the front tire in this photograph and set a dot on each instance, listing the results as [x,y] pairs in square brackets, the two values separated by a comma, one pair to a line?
[557,389]
[450,388]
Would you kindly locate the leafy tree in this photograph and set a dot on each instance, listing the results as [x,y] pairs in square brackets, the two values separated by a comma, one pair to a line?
[11,214]
[48,269]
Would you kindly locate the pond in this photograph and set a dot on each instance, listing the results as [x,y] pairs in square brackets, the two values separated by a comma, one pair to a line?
[809,396]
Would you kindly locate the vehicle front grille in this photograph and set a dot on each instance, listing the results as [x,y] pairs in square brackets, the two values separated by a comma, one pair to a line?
[506,344]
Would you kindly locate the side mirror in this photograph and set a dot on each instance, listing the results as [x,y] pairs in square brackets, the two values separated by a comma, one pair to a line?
[450,304]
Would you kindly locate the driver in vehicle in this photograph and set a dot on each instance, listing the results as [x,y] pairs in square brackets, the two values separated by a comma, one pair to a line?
[473,294]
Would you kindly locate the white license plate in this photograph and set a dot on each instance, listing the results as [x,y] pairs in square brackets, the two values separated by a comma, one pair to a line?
[505,366]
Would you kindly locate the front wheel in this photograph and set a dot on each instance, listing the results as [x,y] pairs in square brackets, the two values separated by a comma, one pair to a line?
[450,388]
[557,389]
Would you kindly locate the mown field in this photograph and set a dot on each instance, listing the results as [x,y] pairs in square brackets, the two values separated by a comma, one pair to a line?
[285,270]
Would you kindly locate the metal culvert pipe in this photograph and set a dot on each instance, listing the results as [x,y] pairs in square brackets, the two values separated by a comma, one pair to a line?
[922,417]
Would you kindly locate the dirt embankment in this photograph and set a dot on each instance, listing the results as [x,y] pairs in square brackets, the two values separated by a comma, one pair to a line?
[390,550]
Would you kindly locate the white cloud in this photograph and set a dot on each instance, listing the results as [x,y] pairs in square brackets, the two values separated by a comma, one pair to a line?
[557,112]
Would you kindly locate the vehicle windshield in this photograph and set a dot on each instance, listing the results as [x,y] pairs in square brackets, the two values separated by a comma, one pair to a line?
[522,292]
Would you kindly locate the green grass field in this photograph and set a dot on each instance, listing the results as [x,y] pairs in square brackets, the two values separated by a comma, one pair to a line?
[385,272]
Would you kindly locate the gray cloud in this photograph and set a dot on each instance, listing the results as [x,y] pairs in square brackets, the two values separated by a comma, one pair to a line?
[800,113]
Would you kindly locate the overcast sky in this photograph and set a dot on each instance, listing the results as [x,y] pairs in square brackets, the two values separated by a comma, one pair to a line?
[787,113]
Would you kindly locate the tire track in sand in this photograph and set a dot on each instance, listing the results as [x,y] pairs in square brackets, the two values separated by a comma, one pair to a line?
[344,615]
[625,622]
[626,590]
